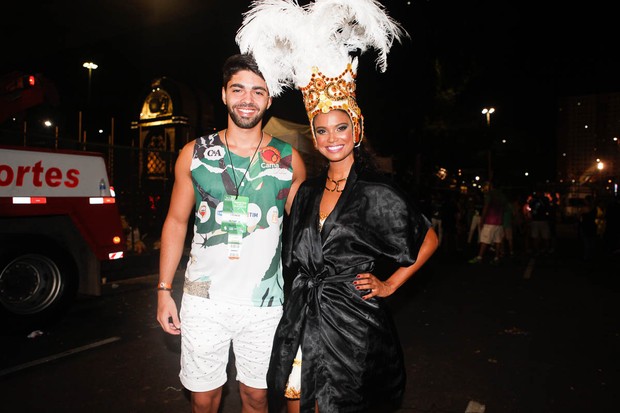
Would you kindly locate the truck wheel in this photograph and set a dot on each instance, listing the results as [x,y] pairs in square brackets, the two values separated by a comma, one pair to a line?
[35,288]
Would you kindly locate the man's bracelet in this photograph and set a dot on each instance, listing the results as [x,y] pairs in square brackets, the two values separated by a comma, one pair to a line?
[162,286]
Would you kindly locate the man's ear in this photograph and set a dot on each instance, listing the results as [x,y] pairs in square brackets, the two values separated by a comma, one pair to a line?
[224,95]
[269,102]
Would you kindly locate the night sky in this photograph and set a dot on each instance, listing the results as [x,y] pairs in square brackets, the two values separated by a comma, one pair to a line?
[518,57]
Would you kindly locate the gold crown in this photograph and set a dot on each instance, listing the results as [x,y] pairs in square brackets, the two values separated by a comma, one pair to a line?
[323,94]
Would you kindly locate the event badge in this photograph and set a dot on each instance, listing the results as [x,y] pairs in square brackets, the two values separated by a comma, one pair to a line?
[234,222]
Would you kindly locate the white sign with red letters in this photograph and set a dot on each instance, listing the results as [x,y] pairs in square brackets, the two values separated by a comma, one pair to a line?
[26,173]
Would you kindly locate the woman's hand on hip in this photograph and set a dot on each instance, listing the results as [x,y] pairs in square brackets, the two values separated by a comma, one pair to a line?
[376,287]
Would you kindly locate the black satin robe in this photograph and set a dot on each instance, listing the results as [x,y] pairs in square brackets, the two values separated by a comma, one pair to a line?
[352,358]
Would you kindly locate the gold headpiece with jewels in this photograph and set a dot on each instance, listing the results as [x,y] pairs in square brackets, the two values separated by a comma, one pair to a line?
[323,94]
[311,48]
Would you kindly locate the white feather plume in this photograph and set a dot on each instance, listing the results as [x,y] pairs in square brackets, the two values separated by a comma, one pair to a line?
[287,39]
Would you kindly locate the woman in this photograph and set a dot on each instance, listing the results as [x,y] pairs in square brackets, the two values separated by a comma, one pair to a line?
[341,224]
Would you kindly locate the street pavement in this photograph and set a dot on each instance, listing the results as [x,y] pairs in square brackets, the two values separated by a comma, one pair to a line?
[530,335]
[533,334]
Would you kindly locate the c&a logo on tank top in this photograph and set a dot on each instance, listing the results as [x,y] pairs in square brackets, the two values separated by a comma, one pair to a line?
[270,157]
[214,153]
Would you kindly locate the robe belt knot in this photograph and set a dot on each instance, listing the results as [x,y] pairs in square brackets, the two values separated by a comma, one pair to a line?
[315,281]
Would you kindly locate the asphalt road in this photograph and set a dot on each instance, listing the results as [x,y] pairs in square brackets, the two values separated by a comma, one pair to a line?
[529,335]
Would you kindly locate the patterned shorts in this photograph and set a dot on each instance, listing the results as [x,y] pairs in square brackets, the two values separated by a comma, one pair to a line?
[209,327]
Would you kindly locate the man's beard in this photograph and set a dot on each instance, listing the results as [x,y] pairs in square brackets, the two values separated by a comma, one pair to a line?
[246,123]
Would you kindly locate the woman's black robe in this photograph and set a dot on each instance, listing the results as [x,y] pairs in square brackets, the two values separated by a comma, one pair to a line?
[352,358]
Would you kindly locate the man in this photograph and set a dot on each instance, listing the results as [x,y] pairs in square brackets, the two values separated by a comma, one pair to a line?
[239,182]
[492,231]
[540,230]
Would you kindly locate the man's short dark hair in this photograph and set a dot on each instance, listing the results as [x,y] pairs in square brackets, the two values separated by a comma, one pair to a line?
[236,63]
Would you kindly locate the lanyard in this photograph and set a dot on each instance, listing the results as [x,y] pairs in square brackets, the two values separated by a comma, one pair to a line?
[237,186]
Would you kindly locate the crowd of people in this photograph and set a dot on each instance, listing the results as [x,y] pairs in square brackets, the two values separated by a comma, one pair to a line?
[500,222]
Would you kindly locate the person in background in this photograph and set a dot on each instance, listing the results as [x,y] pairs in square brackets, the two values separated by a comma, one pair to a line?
[526,221]
[355,238]
[476,204]
[508,222]
[492,230]
[540,231]
[238,183]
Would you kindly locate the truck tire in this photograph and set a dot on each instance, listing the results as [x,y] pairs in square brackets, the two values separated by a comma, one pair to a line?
[36,289]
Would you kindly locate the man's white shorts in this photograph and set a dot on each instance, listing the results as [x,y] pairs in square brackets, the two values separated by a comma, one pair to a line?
[207,329]
[491,234]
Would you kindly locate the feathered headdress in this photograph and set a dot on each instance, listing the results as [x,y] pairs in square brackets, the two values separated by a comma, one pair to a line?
[314,48]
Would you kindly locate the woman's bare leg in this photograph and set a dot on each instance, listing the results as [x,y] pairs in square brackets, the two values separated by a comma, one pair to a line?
[292,405]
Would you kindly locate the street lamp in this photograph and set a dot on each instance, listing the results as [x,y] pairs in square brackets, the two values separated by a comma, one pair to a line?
[487,112]
[90,66]
[600,166]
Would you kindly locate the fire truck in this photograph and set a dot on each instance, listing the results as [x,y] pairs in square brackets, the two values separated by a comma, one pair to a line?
[58,222]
